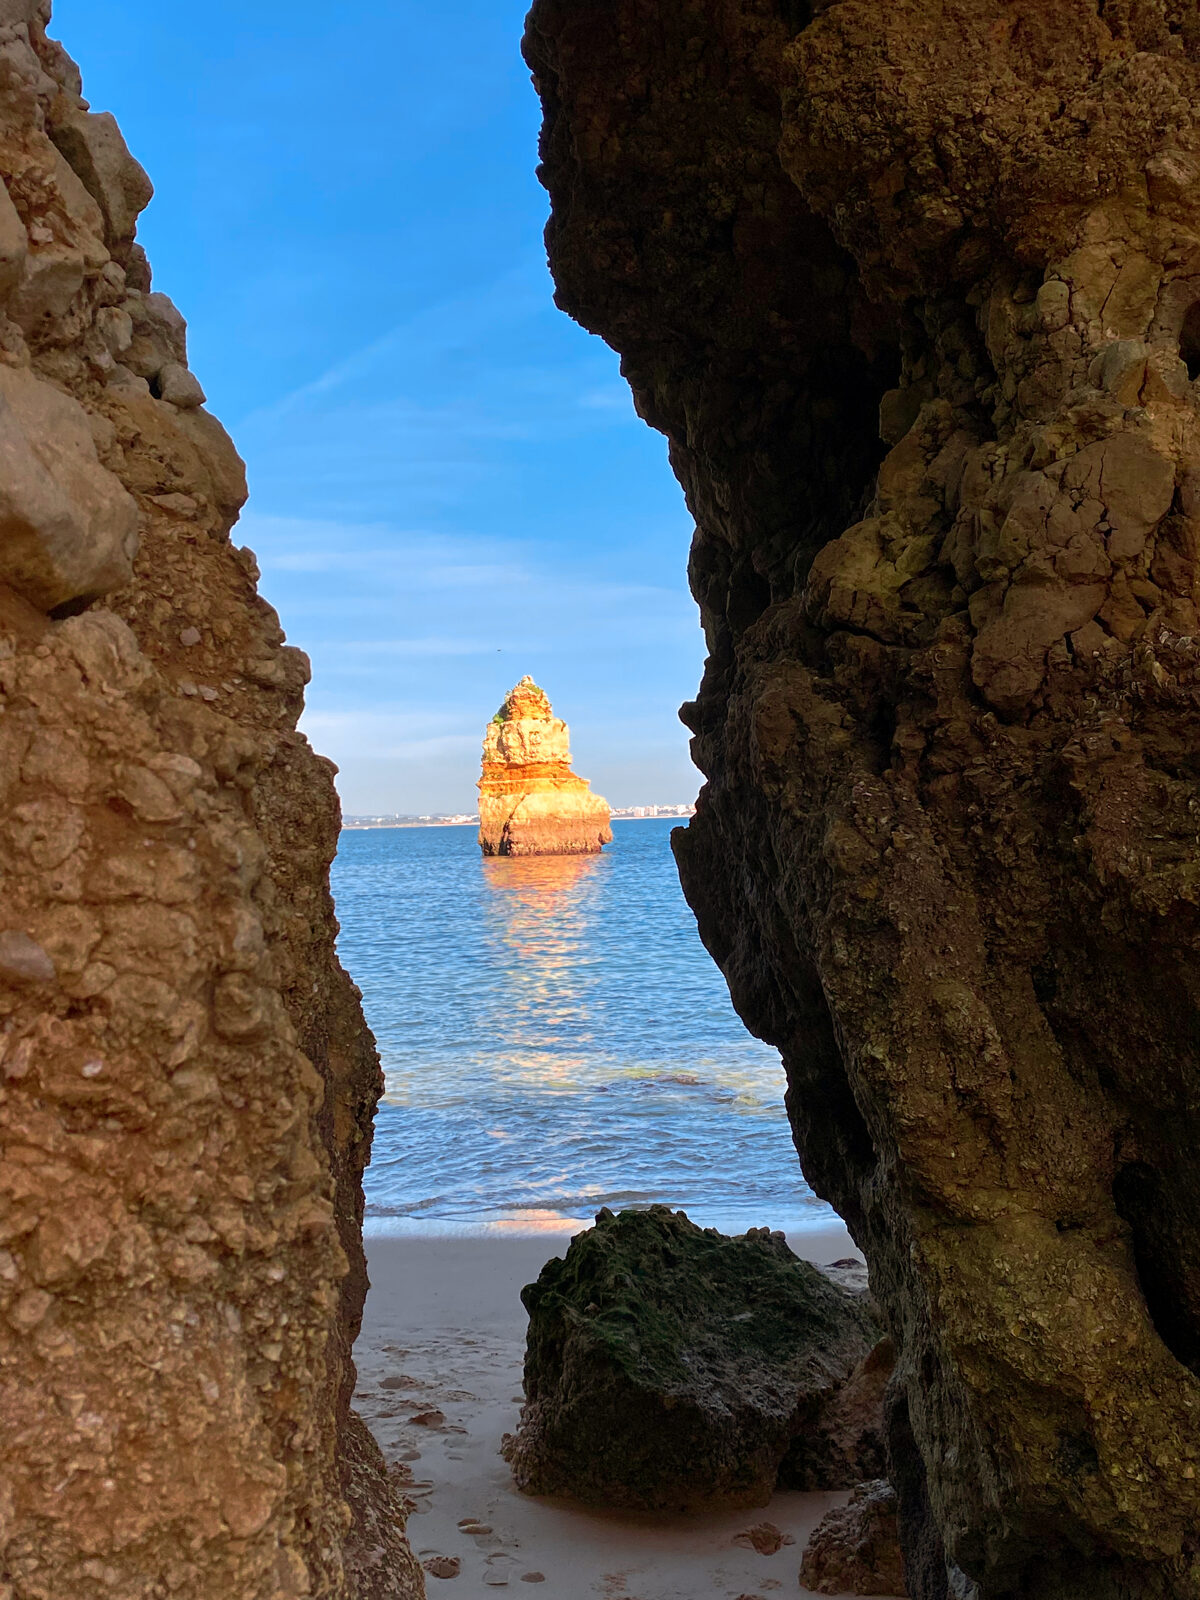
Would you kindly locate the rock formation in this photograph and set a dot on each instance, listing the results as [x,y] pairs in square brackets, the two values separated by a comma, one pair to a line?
[846,1442]
[669,1368]
[856,1549]
[913,289]
[186,1079]
[530,802]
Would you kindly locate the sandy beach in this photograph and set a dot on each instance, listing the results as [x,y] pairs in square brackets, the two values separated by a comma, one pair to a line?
[439,1363]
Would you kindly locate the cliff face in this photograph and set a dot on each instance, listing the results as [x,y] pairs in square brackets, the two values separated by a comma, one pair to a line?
[186,1079]
[914,291]
[530,802]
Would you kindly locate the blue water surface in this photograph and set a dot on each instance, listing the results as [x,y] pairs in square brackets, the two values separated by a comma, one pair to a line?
[555,1038]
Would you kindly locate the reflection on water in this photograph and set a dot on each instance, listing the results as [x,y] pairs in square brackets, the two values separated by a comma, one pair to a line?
[538,908]
[554,1038]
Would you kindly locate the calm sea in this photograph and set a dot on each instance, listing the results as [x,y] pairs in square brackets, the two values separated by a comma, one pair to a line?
[555,1038]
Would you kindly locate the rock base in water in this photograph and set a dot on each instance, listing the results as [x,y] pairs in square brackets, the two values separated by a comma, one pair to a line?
[530,802]
[671,1368]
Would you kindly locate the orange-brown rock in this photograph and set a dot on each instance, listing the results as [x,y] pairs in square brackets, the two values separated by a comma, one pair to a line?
[186,1079]
[530,802]
[855,1549]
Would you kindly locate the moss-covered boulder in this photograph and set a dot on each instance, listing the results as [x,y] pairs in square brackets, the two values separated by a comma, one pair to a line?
[671,1368]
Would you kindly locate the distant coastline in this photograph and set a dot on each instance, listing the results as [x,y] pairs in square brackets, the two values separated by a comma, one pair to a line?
[461,820]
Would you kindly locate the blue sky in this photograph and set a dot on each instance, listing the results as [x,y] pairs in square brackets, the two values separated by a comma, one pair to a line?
[449,485]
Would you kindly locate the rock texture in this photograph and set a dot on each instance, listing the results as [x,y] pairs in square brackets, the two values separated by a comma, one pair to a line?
[913,288]
[530,802]
[669,1368]
[856,1549]
[186,1080]
[846,1441]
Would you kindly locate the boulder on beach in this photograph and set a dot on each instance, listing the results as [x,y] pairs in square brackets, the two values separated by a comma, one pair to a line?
[672,1368]
[856,1548]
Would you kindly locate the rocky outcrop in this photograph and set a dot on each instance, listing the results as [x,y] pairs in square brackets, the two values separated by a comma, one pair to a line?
[913,290]
[186,1080]
[669,1368]
[856,1549]
[846,1441]
[530,802]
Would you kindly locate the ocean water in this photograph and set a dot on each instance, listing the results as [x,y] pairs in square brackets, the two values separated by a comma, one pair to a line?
[554,1038]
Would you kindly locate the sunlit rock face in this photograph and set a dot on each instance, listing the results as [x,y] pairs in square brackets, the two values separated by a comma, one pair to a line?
[912,287]
[530,802]
[186,1079]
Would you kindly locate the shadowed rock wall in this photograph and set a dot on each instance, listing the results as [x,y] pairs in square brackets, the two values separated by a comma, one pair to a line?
[186,1079]
[913,289]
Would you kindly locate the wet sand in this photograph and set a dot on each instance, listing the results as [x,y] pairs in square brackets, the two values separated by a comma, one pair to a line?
[445,1332]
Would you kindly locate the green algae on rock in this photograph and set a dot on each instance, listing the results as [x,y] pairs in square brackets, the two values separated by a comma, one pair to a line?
[671,1368]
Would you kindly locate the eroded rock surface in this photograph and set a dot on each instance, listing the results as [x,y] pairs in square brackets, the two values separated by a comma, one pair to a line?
[913,288]
[856,1549]
[186,1080]
[530,802]
[670,1368]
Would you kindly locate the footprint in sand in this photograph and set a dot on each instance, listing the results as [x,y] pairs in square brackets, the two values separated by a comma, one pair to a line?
[417,1494]
[498,1570]
[443,1566]
[533,1577]
[429,1419]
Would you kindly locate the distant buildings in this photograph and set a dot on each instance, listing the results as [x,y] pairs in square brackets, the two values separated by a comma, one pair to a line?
[461,819]
[625,812]
[409,819]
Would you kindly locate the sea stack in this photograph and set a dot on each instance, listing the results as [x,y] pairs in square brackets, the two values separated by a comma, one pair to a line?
[530,802]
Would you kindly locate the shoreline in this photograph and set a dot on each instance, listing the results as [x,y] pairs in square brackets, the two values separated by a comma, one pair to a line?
[440,1358]
[384,827]
[803,1232]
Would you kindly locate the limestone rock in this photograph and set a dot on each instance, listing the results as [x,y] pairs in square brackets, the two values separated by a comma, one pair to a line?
[846,1442]
[68,529]
[186,1080]
[14,244]
[22,959]
[93,144]
[159,335]
[179,387]
[530,802]
[670,1368]
[379,1563]
[946,850]
[856,1549]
